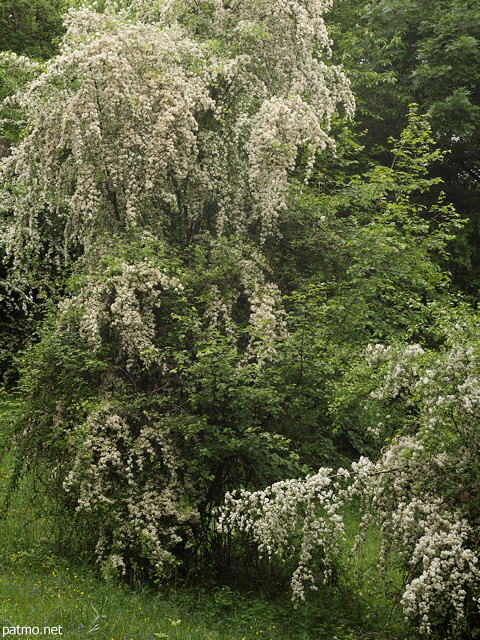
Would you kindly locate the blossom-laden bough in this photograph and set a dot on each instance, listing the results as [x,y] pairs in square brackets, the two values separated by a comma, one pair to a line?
[422,495]
[165,116]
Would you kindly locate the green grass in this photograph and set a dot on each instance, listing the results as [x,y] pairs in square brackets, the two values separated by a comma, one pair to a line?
[89,608]
[38,586]
[377,594]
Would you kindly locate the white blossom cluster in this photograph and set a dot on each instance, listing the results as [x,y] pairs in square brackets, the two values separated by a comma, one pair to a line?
[148,117]
[430,538]
[266,319]
[21,64]
[110,120]
[281,126]
[443,386]
[297,519]
[245,278]
[141,511]
[125,299]
[423,485]
[294,520]
[400,372]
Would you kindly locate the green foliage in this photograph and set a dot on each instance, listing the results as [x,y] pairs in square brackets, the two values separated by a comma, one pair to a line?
[194,413]
[38,584]
[365,258]
[373,243]
[32,28]
[424,52]
[159,361]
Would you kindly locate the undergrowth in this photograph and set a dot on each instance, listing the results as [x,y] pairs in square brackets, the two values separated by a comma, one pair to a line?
[42,584]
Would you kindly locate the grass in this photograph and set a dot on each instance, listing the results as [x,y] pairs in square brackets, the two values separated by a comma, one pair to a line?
[378,594]
[39,587]
[88,607]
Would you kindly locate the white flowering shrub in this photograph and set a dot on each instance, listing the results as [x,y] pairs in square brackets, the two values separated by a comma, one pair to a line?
[123,301]
[149,189]
[431,537]
[136,483]
[429,509]
[422,494]
[167,117]
[297,521]
[152,166]
[142,412]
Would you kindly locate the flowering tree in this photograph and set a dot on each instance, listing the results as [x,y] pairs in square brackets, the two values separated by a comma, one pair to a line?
[152,178]
[153,167]
[142,123]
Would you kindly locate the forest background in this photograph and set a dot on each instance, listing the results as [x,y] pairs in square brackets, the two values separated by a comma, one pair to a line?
[240,243]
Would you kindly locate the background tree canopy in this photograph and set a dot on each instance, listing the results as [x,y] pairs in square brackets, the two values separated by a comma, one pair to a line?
[396,53]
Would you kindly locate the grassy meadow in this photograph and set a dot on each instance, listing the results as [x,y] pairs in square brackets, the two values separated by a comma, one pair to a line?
[40,587]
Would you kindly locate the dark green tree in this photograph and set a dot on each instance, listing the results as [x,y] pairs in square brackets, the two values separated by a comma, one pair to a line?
[32,28]
[403,51]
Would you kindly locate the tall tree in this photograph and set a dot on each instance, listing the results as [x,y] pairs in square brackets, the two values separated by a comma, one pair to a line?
[154,165]
[399,52]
